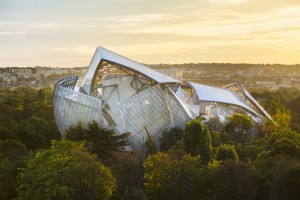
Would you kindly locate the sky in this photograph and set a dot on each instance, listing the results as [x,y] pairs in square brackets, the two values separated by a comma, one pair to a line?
[66,33]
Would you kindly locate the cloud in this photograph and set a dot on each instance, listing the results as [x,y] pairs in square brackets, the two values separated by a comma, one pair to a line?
[151,31]
[81,49]
[228,1]
[12,32]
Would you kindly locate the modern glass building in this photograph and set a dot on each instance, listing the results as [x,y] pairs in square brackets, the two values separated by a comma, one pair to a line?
[124,95]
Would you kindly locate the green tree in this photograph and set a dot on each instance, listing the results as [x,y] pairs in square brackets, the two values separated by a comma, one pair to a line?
[65,171]
[214,124]
[239,127]
[37,133]
[278,176]
[234,180]
[127,167]
[42,94]
[294,106]
[161,173]
[268,127]
[215,139]
[5,133]
[12,149]
[14,102]
[99,141]
[287,184]
[170,138]
[150,144]
[282,119]
[274,102]
[197,140]
[281,134]
[7,181]
[171,177]
[287,147]
[249,152]
[226,152]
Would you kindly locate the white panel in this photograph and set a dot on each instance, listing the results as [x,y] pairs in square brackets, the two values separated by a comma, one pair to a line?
[179,112]
[104,54]
[215,94]
[70,107]
[88,77]
[130,64]
[145,109]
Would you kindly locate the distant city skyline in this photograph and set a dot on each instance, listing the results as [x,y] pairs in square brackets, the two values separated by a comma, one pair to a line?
[66,33]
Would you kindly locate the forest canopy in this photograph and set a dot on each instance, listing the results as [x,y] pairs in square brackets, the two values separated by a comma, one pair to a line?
[206,160]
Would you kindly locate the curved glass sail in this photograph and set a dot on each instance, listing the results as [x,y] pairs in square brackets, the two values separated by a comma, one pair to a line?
[126,96]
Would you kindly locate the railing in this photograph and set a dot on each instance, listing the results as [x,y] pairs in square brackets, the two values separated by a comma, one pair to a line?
[71,107]
[68,82]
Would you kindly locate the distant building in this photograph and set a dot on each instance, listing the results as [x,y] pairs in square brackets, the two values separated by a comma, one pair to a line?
[50,71]
[265,83]
[256,71]
[7,78]
[175,73]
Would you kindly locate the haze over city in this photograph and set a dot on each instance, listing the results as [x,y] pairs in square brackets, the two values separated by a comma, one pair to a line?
[66,33]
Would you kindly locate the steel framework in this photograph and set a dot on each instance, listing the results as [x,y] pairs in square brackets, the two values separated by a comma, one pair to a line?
[121,94]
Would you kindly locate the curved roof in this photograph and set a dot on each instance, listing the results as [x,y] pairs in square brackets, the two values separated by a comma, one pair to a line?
[221,95]
[244,93]
[103,54]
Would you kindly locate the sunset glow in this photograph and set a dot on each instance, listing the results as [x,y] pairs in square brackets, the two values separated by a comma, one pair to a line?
[66,33]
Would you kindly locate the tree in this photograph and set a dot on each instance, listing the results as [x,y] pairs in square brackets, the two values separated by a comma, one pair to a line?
[37,133]
[161,173]
[234,180]
[285,147]
[12,156]
[278,176]
[99,141]
[268,127]
[197,140]
[294,106]
[170,138]
[250,151]
[287,184]
[14,102]
[42,94]
[7,181]
[226,152]
[12,149]
[171,177]
[274,102]
[65,171]
[282,118]
[150,145]
[215,139]
[239,127]
[127,167]
[281,134]
[214,124]
[5,133]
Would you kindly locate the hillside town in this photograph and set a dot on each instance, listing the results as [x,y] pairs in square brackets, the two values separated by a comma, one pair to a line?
[219,74]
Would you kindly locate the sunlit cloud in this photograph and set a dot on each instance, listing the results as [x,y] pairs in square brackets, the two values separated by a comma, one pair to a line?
[83,49]
[171,31]
[228,1]
[12,32]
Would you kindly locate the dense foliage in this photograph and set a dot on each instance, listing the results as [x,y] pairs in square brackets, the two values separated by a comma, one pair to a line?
[238,128]
[65,171]
[197,140]
[237,159]
[99,141]
[226,152]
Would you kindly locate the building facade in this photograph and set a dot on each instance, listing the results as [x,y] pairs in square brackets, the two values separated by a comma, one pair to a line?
[124,95]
